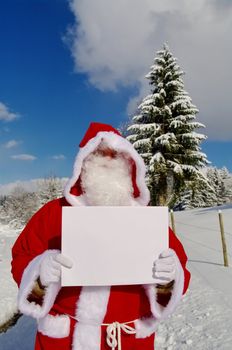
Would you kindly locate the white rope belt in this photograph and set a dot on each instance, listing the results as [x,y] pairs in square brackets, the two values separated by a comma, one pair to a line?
[113,331]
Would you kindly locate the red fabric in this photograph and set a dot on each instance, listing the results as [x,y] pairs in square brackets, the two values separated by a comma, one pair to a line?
[136,192]
[125,303]
[76,190]
[176,245]
[128,342]
[93,129]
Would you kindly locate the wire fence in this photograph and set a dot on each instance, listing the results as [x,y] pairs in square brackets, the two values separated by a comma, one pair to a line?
[219,230]
[202,228]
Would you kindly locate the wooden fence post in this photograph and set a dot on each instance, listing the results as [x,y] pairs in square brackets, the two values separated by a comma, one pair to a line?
[173,221]
[225,255]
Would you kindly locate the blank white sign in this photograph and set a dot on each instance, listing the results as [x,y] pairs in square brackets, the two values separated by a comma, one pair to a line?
[112,245]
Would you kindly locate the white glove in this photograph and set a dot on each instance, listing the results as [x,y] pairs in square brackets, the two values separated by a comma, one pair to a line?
[50,268]
[164,268]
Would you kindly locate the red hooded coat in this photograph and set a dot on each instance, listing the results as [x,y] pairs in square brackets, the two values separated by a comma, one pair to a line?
[79,318]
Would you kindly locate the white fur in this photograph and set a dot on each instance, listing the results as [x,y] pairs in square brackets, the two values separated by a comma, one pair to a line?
[158,311]
[54,326]
[107,181]
[91,310]
[91,306]
[146,326]
[30,275]
[119,144]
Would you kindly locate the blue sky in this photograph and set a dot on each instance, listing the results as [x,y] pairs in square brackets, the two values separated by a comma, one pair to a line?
[52,94]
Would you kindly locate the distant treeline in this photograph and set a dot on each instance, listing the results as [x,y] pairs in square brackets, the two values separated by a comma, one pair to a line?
[17,207]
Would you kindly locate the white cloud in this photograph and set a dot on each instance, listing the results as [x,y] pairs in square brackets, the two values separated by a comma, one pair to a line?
[6,115]
[12,143]
[114,43]
[23,156]
[59,157]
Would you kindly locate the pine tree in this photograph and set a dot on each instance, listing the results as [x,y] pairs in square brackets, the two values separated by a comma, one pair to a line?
[163,132]
[227,180]
[202,196]
[217,179]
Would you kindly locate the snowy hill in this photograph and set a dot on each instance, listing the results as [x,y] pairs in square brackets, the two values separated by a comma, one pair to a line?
[203,321]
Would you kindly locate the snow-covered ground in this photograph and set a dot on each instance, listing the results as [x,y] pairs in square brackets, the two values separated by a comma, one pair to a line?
[8,288]
[203,321]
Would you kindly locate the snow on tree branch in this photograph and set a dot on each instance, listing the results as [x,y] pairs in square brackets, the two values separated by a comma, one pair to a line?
[163,131]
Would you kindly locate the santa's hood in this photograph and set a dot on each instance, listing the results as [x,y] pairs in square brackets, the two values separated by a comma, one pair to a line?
[95,134]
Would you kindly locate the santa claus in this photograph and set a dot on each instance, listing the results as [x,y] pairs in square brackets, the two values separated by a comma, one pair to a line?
[107,171]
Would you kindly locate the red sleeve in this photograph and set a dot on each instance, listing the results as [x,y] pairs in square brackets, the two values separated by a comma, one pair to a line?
[32,241]
[176,245]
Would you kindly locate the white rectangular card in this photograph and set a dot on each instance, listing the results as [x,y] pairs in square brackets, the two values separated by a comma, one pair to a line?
[112,245]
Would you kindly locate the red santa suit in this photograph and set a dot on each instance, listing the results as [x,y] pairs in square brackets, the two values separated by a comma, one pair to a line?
[91,318]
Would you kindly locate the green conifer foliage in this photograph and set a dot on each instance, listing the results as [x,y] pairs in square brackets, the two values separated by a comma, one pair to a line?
[164,132]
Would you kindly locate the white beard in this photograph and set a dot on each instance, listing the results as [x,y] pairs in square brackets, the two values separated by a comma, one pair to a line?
[107,181]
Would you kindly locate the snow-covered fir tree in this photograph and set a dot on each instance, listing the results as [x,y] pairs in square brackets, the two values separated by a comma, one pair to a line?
[164,132]
[217,179]
[217,192]
[196,195]
[227,179]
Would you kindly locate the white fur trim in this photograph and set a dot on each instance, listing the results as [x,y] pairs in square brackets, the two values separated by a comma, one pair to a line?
[54,326]
[158,311]
[91,310]
[146,327]
[118,143]
[30,275]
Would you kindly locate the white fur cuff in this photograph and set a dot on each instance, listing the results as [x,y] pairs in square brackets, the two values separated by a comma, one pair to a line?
[54,326]
[146,327]
[30,275]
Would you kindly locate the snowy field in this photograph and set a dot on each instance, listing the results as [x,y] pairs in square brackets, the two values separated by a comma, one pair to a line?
[8,287]
[203,321]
